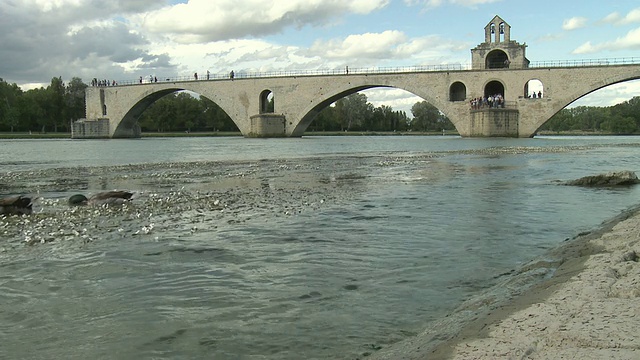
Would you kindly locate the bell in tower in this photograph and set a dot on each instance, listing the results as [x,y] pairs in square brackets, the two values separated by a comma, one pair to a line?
[498,51]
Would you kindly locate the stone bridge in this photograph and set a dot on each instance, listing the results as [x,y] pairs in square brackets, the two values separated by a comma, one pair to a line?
[499,67]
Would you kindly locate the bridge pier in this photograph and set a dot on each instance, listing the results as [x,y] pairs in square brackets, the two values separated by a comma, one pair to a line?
[268,125]
[494,122]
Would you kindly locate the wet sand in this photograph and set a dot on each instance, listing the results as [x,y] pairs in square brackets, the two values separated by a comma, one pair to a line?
[588,309]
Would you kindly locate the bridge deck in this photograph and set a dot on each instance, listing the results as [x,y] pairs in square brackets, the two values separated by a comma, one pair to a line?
[384,70]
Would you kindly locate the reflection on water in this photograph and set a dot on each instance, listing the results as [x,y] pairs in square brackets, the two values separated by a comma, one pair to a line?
[282,248]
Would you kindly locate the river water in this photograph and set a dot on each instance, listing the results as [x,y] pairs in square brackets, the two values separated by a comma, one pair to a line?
[314,248]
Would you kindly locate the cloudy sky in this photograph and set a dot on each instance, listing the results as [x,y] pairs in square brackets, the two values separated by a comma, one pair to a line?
[125,39]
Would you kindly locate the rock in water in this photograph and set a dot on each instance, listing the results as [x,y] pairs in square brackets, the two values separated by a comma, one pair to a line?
[614,178]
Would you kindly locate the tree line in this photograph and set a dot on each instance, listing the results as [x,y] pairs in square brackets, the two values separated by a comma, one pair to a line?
[49,109]
[621,119]
[184,112]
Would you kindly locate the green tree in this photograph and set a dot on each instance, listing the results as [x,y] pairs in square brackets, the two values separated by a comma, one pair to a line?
[54,105]
[32,112]
[188,113]
[620,125]
[160,115]
[354,111]
[9,111]
[563,120]
[326,120]
[427,117]
[183,112]
[215,119]
[74,100]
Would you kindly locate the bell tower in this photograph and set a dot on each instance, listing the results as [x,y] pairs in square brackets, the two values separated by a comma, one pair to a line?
[498,51]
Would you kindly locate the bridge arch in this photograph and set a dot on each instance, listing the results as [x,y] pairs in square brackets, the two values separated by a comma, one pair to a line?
[494,87]
[457,91]
[311,111]
[533,88]
[558,105]
[131,117]
[496,59]
[267,101]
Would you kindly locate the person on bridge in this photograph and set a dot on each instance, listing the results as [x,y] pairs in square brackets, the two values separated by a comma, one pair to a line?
[195,75]
[231,75]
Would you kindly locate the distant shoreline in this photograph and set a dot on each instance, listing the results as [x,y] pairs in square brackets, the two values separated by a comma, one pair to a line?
[67,135]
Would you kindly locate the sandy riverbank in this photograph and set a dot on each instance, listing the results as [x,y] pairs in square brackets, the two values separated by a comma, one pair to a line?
[589,308]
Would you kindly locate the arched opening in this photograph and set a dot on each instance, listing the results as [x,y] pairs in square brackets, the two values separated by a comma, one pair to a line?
[494,88]
[501,35]
[609,110]
[267,103]
[457,92]
[375,109]
[104,109]
[175,110]
[497,59]
[534,89]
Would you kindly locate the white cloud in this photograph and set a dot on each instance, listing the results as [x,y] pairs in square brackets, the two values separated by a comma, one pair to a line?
[632,17]
[574,23]
[610,95]
[630,41]
[49,5]
[370,45]
[612,18]
[615,18]
[388,46]
[430,4]
[204,20]
[473,3]
[586,48]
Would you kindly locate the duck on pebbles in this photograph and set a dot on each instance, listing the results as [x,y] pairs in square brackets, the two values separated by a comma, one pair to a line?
[16,205]
[115,197]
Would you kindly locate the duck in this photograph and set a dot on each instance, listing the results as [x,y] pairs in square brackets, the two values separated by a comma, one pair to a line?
[16,205]
[114,197]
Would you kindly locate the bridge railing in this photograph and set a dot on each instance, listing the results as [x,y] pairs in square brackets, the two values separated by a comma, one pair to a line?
[504,105]
[586,62]
[293,73]
[373,70]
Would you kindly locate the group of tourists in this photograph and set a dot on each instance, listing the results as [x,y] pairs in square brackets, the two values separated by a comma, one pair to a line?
[101,83]
[491,101]
[152,79]
[231,75]
[539,95]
